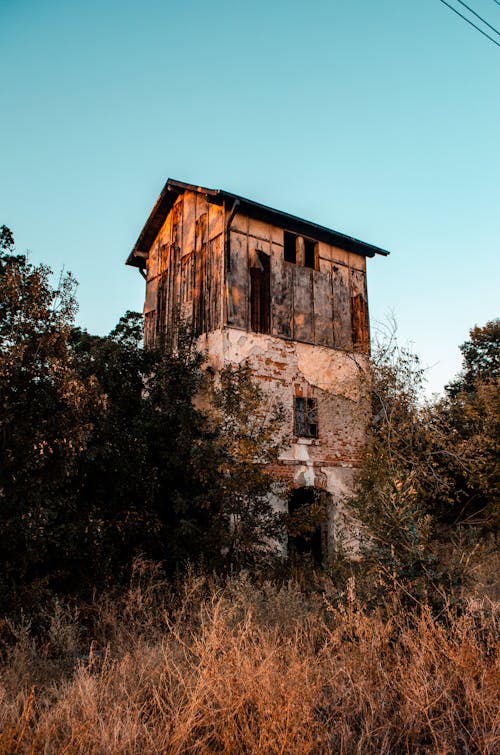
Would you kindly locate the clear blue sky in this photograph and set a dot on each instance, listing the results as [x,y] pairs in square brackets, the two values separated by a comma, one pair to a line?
[378,119]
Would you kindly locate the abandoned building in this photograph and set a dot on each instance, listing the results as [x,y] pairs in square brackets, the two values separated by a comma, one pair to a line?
[285,295]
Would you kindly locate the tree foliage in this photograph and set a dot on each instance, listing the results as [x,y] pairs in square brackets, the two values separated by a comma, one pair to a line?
[430,467]
[108,451]
[47,419]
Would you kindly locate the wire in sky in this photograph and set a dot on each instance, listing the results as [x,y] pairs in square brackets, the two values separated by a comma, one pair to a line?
[471,23]
[479,17]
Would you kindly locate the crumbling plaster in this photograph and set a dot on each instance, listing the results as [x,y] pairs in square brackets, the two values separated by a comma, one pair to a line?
[284,369]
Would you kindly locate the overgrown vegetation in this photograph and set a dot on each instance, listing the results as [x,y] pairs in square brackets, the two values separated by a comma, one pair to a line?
[427,495]
[105,453]
[114,478]
[231,667]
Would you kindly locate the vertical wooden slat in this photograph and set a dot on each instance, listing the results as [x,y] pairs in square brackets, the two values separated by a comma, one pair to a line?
[302,304]
[239,279]
[359,311]
[341,307]
[323,309]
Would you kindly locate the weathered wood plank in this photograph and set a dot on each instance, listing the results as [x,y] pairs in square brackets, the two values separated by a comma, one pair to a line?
[188,223]
[359,310]
[238,283]
[151,296]
[323,309]
[281,289]
[217,246]
[303,324]
[341,307]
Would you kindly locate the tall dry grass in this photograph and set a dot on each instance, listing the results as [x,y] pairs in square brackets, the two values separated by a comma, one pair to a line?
[238,669]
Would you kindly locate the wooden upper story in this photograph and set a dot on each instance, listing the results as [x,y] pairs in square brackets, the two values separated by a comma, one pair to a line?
[218,260]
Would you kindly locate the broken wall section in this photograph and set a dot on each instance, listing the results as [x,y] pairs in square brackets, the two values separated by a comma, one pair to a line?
[286,370]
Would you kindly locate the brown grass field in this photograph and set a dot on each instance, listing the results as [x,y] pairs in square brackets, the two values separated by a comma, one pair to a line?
[232,668]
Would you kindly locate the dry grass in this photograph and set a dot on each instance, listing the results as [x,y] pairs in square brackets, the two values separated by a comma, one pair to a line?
[236,669]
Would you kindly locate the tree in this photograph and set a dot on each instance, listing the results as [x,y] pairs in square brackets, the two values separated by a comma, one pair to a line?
[171,472]
[248,438]
[46,420]
[481,359]
[107,450]
[398,470]
[472,410]
[429,468]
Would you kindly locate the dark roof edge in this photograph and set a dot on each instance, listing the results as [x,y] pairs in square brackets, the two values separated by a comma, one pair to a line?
[304,227]
[173,189]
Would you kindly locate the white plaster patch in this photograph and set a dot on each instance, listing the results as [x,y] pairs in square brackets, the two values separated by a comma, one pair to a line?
[300,452]
[339,481]
[304,476]
[336,372]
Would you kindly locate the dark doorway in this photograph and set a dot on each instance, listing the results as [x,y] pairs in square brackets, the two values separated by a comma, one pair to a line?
[307,531]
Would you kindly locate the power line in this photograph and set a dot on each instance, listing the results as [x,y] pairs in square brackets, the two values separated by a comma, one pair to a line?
[470,22]
[479,17]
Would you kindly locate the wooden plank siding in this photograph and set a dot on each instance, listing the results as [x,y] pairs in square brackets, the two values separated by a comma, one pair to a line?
[323,308]
[323,303]
[303,308]
[342,337]
[281,294]
[359,311]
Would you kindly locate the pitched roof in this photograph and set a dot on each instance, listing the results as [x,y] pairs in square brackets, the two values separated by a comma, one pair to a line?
[173,189]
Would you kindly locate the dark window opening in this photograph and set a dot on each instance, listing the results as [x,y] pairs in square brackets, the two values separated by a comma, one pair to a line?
[260,295]
[306,417]
[307,526]
[300,251]
[289,247]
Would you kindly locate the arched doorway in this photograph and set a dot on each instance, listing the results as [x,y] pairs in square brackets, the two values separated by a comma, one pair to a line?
[308,524]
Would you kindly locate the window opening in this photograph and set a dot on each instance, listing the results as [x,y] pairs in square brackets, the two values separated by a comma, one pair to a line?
[300,251]
[260,294]
[289,247]
[306,417]
[310,254]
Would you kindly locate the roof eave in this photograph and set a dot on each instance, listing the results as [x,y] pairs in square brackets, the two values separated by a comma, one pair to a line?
[172,189]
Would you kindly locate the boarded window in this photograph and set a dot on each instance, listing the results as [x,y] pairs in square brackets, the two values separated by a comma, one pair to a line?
[260,294]
[359,321]
[306,417]
[300,251]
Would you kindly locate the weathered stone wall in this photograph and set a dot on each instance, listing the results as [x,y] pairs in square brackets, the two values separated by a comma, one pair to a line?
[339,380]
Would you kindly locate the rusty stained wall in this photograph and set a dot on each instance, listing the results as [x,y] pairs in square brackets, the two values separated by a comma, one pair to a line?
[185,269]
[327,306]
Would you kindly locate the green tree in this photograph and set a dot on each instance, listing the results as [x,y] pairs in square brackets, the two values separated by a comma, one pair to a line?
[429,468]
[171,472]
[472,410]
[109,450]
[481,359]
[249,437]
[46,420]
